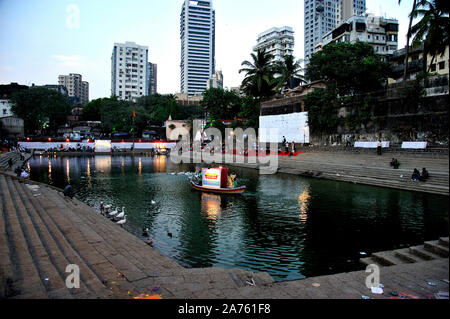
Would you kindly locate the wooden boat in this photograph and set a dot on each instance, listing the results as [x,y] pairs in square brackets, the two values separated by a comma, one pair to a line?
[237,190]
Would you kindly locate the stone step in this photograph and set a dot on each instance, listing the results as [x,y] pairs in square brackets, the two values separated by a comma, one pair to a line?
[44,252]
[406,256]
[60,248]
[388,258]
[443,241]
[421,252]
[27,278]
[436,248]
[370,261]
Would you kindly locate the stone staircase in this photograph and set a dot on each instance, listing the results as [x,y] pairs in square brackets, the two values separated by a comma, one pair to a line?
[430,250]
[5,157]
[42,232]
[371,171]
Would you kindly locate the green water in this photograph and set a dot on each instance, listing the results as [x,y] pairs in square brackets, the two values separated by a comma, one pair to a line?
[289,226]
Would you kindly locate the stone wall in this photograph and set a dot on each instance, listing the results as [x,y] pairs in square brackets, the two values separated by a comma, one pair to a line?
[398,116]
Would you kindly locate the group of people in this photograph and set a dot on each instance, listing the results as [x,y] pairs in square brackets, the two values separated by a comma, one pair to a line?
[420,176]
[286,147]
[21,172]
[78,148]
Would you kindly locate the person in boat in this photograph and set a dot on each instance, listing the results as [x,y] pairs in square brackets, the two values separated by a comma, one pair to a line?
[235,182]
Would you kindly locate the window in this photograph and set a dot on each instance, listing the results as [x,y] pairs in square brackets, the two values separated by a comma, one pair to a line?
[433,67]
[442,65]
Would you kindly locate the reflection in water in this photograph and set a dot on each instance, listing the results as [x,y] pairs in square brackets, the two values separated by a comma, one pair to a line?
[140,166]
[303,201]
[290,227]
[68,171]
[160,164]
[211,205]
[50,171]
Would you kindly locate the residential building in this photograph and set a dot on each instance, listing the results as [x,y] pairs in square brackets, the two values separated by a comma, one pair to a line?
[152,75]
[197,34]
[396,62]
[129,65]
[11,127]
[440,63]
[322,16]
[185,100]
[56,87]
[380,32]
[276,41]
[216,81]
[77,88]
[6,90]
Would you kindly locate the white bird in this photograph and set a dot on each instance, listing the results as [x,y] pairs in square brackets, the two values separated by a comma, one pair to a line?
[107,207]
[153,202]
[122,213]
[114,212]
[123,221]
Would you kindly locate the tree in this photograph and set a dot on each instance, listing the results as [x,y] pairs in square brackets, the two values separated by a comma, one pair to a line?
[348,69]
[408,37]
[323,116]
[92,111]
[251,109]
[288,69]
[39,107]
[433,27]
[258,81]
[159,107]
[221,104]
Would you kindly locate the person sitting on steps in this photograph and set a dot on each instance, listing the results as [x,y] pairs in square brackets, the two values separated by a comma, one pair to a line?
[424,175]
[416,175]
[395,163]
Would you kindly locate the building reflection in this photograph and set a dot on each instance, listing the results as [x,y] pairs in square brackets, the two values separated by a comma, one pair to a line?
[140,166]
[103,163]
[50,171]
[159,164]
[211,206]
[303,202]
[68,171]
[88,172]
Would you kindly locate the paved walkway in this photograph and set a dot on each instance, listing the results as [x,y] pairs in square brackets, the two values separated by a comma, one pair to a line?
[41,232]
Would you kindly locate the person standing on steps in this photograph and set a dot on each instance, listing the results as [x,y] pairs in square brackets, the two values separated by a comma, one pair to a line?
[68,191]
[379,146]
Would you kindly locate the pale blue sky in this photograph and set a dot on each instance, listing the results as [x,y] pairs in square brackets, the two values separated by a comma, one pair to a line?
[39,39]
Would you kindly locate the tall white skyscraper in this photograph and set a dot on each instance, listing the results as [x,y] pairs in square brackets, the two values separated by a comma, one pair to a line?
[276,41]
[197,33]
[322,16]
[129,63]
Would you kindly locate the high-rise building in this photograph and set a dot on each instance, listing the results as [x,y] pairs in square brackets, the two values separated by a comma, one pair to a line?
[197,34]
[276,41]
[129,64]
[152,75]
[78,89]
[381,33]
[322,16]
[216,81]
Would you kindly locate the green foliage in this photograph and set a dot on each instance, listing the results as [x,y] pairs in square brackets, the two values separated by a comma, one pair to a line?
[288,69]
[38,106]
[433,26]
[323,107]
[348,68]
[221,104]
[259,75]
[250,111]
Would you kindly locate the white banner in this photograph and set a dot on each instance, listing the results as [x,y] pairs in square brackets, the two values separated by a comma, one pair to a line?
[372,144]
[294,127]
[415,145]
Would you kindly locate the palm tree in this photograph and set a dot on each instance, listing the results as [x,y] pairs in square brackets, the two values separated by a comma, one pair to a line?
[408,37]
[288,69]
[258,81]
[433,28]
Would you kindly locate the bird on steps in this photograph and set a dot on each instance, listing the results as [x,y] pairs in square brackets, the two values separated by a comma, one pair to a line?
[122,222]
[122,213]
[113,213]
[145,232]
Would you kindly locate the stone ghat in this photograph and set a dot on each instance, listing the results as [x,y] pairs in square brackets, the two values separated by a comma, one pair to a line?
[42,232]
